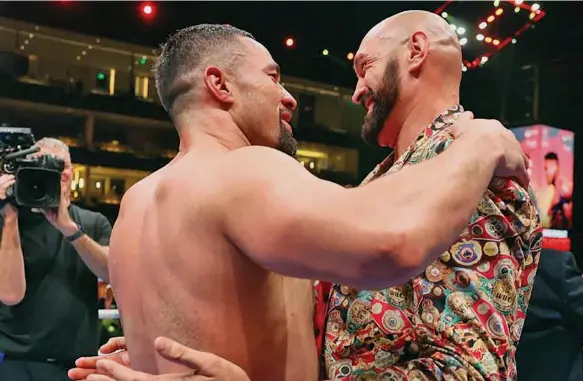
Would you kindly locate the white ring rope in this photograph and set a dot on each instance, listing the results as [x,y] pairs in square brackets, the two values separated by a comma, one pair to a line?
[108,314]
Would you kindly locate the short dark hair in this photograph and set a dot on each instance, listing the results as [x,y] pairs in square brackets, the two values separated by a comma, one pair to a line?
[188,49]
[551,156]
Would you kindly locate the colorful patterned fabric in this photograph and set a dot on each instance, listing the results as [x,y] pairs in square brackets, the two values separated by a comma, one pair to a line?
[322,294]
[462,317]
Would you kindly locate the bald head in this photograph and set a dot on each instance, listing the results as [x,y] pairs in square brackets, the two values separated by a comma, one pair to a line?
[401,60]
[403,24]
[406,27]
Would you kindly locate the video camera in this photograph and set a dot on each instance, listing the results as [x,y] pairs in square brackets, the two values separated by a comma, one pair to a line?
[38,178]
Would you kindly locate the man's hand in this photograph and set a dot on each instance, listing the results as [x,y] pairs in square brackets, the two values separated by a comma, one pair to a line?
[205,366]
[114,350]
[512,162]
[60,218]
[9,211]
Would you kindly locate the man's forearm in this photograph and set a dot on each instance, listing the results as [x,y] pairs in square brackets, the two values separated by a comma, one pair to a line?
[12,278]
[94,255]
[436,198]
[450,191]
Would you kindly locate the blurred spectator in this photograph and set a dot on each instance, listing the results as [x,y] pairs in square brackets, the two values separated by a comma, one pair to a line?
[552,338]
[48,285]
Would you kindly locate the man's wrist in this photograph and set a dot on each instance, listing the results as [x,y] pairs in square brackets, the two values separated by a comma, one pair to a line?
[70,229]
[10,218]
[487,150]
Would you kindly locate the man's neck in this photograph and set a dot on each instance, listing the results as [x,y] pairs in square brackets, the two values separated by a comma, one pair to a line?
[418,116]
[209,127]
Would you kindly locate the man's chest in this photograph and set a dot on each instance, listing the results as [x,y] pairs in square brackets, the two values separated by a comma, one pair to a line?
[478,289]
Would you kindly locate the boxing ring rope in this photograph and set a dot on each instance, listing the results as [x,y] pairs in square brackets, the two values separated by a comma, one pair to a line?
[108,314]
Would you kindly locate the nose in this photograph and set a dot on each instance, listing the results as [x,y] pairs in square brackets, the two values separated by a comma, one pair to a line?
[359,91]
[287,100]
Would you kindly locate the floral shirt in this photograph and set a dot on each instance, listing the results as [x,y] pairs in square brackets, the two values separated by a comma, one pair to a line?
[461,318]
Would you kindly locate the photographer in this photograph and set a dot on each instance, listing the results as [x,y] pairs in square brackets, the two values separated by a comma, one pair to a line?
[49,263]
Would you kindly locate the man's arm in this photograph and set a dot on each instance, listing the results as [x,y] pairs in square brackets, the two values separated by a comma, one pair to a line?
[12,278]
[381,234]
[95,254]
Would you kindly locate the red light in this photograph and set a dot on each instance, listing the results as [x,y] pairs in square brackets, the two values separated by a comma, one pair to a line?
[148,10]
[290,42]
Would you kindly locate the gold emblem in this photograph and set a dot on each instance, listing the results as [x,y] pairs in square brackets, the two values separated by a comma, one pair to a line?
[495,326]
[359,312]
[434,272]
[385,359]
[483,309]
[466,253]
[376,308]
[505,295]
[490,249]
[517,328]
[504,249]
[496,228]
[399,296]
[393,321]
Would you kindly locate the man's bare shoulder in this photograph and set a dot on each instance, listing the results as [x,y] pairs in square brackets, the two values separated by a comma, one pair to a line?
[256,164]
[260,156]
[135,195]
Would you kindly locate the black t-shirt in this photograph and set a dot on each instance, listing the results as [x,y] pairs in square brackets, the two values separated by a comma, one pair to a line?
[57,319]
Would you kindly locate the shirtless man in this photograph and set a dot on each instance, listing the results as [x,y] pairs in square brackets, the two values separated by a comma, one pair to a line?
[206,268]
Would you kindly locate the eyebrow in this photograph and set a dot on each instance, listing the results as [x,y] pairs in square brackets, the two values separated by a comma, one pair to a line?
[273,66]
[356,62]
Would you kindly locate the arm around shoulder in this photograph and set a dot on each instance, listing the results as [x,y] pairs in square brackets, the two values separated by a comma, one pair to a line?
[375,236]
[289,221]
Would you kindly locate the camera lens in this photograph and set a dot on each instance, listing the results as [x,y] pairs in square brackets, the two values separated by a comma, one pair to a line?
[37,192]
[38,187]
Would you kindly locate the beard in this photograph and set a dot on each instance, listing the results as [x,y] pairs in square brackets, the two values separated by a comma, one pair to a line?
[384,101]
[287,143]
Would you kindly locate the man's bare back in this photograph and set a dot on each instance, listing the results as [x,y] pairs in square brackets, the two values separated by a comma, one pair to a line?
[176,275]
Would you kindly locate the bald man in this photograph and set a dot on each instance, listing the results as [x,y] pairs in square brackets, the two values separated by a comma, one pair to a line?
[219,255]
[461,318]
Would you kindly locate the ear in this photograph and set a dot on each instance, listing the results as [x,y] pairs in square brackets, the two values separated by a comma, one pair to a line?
[418,49]
[218,85]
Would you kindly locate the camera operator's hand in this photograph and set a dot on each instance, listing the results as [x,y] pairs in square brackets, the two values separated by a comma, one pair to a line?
[9,211]
[60,218]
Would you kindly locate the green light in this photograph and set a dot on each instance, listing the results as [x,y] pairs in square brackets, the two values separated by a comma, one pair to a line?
[100,76]
[143,60]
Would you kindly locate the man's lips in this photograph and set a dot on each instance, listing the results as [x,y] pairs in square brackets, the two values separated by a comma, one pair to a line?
[287,126]
[368,104]
[286,116]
